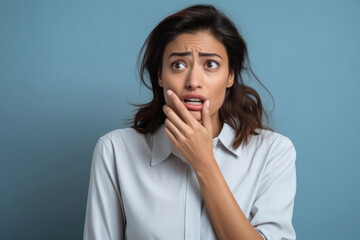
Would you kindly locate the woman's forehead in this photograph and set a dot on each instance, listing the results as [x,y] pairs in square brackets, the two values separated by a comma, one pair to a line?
[195,43]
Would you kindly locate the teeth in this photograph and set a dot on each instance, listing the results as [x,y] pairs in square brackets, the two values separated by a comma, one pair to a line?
[195,103]
[193,100]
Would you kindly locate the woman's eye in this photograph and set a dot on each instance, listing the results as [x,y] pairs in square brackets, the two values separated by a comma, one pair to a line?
[178,65]
[212,64]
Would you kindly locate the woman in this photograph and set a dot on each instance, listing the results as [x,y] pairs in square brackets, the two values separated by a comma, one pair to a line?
[198,162]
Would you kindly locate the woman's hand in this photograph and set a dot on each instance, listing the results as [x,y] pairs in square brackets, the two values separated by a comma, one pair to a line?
[190,137]
[194,141]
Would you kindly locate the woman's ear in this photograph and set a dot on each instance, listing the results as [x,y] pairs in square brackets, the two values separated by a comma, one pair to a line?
[230,80]
[160,82]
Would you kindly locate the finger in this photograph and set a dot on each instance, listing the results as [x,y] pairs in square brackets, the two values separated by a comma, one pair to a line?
[205,116]
[174,130]
[170,135]
[180,107]
[174,118]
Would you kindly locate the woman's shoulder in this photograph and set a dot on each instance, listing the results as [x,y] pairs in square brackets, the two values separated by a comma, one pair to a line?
[120,132]
[270,135]
[268,146]
[124,137]
[270,139]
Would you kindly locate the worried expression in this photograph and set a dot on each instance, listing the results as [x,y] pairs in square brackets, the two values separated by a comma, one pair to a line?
[196,68]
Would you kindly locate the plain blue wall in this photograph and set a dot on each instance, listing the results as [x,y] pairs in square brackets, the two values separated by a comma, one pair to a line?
[67,72]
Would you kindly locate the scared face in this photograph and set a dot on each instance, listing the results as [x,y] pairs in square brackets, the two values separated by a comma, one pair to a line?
[196,68]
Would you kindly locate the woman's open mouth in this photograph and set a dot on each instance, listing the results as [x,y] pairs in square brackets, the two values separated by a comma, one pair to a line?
[193,103]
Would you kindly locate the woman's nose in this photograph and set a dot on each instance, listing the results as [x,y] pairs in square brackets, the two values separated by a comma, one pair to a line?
[195,78]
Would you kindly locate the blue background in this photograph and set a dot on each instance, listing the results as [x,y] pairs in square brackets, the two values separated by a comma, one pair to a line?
[68,71]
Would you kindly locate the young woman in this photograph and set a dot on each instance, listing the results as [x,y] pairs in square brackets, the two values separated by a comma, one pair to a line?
[198,162]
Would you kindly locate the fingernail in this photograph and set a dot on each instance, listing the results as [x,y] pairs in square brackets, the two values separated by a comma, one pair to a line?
[169,92]
[207,103]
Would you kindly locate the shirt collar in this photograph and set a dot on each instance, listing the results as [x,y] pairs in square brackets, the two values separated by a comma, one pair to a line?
[162,147]
[226,137]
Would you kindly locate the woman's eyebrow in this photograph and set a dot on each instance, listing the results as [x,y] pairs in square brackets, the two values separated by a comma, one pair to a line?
[201,54]
[209,55]
[180,54]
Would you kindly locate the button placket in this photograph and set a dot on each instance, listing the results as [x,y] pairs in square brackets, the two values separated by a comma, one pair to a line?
[193,206]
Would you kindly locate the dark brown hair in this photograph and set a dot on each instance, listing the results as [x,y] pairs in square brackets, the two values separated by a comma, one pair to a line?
[242,108]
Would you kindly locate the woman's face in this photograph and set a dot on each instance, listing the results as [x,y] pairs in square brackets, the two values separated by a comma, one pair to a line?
[195,67]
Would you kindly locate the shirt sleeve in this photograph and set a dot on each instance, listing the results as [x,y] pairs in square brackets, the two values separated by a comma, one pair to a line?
[273,207]
[104,212]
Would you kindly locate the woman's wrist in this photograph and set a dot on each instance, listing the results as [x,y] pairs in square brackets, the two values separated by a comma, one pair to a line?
[206,167]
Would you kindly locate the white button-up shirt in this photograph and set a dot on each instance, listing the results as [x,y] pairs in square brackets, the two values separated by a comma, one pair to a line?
[142,188]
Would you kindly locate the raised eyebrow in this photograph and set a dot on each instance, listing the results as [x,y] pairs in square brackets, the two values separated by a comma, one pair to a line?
[180,54]
[209,55]
[201,54]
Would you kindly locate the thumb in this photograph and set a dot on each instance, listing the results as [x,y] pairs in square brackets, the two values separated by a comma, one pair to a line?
[205,116]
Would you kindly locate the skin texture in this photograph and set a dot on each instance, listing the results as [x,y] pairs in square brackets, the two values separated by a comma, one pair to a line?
[202,71]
